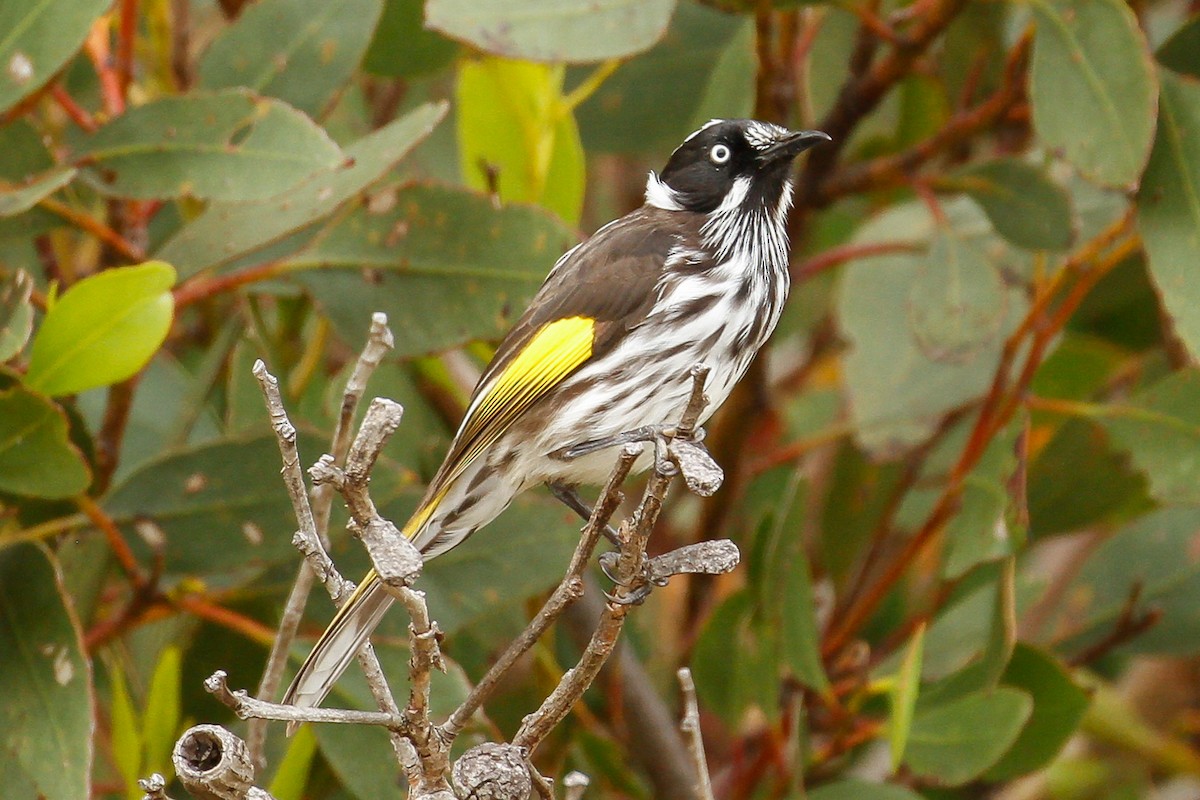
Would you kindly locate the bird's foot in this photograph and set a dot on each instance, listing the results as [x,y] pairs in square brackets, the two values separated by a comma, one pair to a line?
[637,589]
[662,436]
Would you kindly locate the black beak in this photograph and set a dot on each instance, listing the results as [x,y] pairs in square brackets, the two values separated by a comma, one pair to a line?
[791,145]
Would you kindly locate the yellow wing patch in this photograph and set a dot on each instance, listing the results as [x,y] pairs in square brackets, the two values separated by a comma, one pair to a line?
[553,353]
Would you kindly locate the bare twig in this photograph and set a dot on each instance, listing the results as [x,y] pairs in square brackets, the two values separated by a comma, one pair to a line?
[212,765]
[155,787]
[1129,625]
[247,707]
[309,543]
[576,784]
[690,726]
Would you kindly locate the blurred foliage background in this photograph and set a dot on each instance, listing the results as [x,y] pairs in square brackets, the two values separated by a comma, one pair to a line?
[965,477]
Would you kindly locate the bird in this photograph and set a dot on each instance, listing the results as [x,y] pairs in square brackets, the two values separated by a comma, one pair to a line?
[698,275]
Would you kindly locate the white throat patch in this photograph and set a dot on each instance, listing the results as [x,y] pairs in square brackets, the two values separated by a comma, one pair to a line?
[659,195]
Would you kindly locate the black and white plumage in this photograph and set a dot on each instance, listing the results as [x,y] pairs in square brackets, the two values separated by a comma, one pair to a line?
[697,275]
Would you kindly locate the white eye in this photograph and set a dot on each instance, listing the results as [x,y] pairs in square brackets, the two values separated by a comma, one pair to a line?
[719,154]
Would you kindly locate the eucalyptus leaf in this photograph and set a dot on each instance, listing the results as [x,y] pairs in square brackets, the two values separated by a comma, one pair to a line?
[517,136]
[1181,52]
[1154,556]
[958,741]
[1024,204]
[227,145]
[16,313]
[1160,428]
[312,49]
[1059,704]
[103,329]
[424,51]
[1168,206]
[1093,53]
[630,113]
[925,329]
[46,706]
[446,265]
[855,789]
[553,30]
[227,231]
[36,458]
[220,506]
[36,39]
[16,200]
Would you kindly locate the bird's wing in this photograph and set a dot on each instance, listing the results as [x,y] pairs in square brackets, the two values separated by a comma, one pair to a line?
[597,291]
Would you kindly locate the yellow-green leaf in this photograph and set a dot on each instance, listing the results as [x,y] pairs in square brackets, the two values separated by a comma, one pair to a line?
[103,329]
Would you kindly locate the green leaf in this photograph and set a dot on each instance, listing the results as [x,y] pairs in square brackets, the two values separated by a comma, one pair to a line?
[908,365]
[103,329]
[424,51]
[362,759]
[226,231]
[46,706]
[729,88]
[630,113]
[221,507]
[553,30]
[1094,53]
[1182,51]
[1079,478]
[957,300]
[854,789]
[983,672]
[784,597]
[301,51]
[16,200]
[161,721]
[37,38]
[1024,205]
[958,741]
[166,392]
[447,266]
[227,145]
[1168,206]
[1058,707]
[292,775]
[1160,428]
[16,313]
[903,697]
[126,736]
[36,458]
[26,161]
[1155,556]
[735,661]
[512,120]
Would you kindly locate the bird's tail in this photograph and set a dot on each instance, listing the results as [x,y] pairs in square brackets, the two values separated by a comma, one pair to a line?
[351,626]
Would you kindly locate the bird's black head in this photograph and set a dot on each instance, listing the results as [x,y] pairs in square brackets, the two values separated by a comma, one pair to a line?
[748,158]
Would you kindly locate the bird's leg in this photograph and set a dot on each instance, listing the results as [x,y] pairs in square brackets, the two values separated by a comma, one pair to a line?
[658,434]
[569,496]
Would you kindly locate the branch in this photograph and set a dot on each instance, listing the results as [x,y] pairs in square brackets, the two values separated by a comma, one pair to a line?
[309,544]
[567,592]
[895,169]
[379,342]
[863,92]
[246,707]
[212,765]
[690,726]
